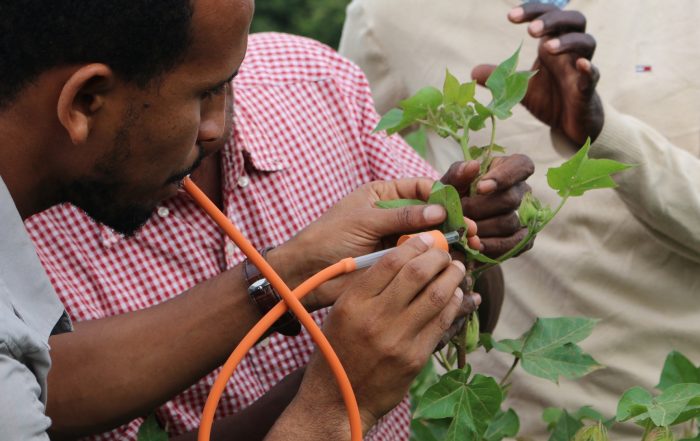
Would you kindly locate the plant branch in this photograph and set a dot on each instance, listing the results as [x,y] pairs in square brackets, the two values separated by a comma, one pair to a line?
[506,377]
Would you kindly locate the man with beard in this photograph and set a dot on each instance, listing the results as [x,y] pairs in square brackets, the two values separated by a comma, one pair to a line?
[107,105]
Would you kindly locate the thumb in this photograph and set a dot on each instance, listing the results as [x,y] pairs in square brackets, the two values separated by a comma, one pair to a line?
[481,73]
[408,219]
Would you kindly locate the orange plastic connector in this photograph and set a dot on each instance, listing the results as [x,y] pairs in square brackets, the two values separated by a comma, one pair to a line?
[291,301]
[440,239]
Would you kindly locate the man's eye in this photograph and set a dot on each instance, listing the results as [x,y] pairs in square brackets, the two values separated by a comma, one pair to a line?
[214,92]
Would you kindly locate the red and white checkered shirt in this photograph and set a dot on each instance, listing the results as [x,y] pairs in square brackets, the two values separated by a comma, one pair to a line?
[302,140]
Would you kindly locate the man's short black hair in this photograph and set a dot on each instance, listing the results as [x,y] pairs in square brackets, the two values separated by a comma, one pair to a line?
[139,39]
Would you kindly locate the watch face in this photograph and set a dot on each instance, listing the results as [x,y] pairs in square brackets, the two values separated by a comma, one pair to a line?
[258,285]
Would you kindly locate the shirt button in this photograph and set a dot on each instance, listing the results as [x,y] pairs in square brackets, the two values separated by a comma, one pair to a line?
[230,249]
[243,181]
[163,211]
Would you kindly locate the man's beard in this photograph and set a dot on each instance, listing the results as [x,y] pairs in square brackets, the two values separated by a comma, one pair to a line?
[104,196]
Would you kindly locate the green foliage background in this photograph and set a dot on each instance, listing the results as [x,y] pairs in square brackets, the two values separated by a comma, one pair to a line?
[321,20]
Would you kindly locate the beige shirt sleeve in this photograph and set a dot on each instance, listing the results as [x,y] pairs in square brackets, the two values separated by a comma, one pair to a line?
[360,44]
[663,191]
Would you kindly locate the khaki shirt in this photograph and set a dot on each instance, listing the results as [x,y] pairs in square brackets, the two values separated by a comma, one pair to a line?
[29,313]
[630,256]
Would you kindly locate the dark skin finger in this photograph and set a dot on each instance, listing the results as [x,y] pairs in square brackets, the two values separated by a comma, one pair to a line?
[496,247]
[555,22]
[460,175]
[505,172]
[500,226]
[481,207]
[575,43]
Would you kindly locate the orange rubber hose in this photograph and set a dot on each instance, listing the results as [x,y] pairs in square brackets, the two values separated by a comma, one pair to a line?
[291,301]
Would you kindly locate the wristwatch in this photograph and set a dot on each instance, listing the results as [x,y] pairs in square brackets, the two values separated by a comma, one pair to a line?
[265,298]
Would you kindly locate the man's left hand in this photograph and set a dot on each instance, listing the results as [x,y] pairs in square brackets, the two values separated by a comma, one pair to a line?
[494,207]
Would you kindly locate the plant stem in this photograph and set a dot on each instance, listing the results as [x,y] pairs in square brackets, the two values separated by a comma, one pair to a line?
[510,371]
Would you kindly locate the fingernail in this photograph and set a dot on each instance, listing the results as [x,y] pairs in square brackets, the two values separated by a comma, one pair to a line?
[476,298]
[459,265]
[459,294]
[536,27]
[482,247]
[463,168]
[433,213]
[516,13]
[487,186]
[427,239]
[553,44]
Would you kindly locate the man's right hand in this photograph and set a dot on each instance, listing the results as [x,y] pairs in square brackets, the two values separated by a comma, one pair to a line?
[384,329]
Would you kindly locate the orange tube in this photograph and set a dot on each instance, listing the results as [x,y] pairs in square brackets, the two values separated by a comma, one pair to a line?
[291,300]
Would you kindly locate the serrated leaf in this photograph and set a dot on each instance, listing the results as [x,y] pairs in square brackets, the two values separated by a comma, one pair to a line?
[390,121]
[580,173]
[150,430]
[678,369]
[550,350]
[476,152]
[398,203]
[448,197]
[634,402]
[565,428]
[450,89]
[470,404]
[504,425]
[418,140]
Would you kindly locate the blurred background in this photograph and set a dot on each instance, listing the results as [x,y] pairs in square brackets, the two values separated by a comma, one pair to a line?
[321,20]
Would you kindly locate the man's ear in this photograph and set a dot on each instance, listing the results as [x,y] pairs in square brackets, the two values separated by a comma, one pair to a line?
[81,97]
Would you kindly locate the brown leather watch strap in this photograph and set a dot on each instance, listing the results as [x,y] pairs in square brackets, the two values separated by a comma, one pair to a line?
[265,298]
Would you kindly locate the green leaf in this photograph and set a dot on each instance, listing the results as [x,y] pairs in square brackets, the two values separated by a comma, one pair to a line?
[429,430]
[486,340]
[482,114]
[588,413]
[466,93]
[418,140]
[448,197]
[390,121]
[427,377]
[677,399]
[150,430]
[580,173]
[427,98]
[398,203]
[470,404]
[551,415]
[450,89]
[565,428]
[678,369]
[550,351]
[515,90]
[509,346]
[504,425]
[496,82]
[634,402]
